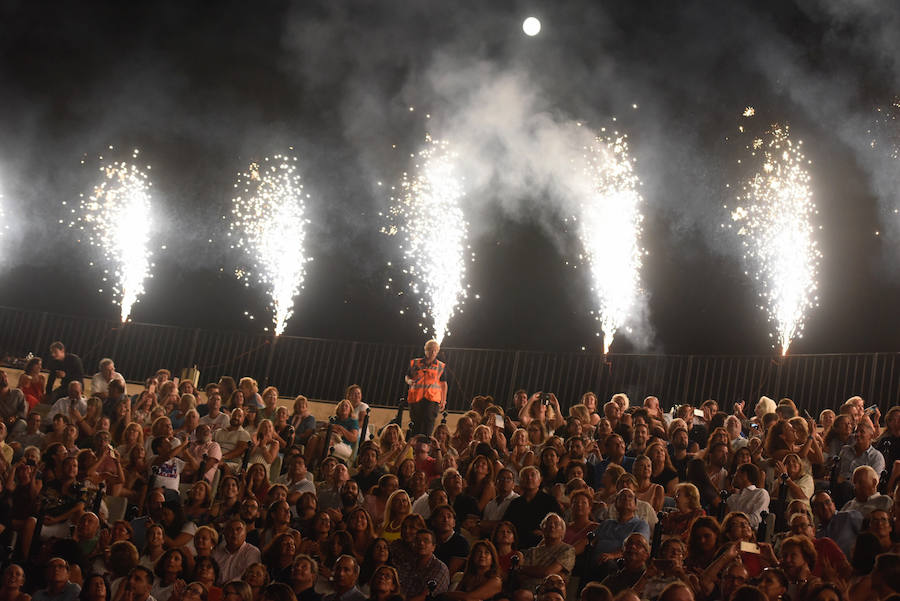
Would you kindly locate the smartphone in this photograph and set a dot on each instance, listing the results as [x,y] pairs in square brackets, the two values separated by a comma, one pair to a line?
[498,421]
[749,548]
[871,408]
[698,412]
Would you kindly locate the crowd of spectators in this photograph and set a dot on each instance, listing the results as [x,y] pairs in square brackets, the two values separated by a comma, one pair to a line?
[223,494]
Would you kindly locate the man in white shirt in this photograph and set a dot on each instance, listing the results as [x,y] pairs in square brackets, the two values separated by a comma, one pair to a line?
[861,452]
[100,381]
[748,499]
[233,441]
[215,418]
[67,403]
[496,507]
[866,496]
[234,554]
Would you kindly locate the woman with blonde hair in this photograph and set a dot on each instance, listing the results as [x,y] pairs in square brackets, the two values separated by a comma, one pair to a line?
[359,525]
[592,404]
[250,388]
[542,409]
[132,436]
[687,509]
[646,489]
[520,453]
[265,447]
[398,506]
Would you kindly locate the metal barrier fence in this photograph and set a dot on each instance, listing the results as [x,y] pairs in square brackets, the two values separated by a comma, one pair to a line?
[321,369]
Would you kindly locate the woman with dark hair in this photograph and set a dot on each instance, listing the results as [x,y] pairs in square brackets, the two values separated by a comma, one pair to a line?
[378,554]
[307,507]
[548,464]
[339,543]
[316,540]
[405,470]
[199,502]
[702,544]
[279,557]
[229,501]
[154,548]
[256,481]
[206,572]
[32,383]
[377,498]
[359,524]
[780,440]
[736,528]
[798,558]
[178,529]
[385,585]
[709,495]
[480,579]
[95,588]
[170,568]
[480,480]
[505,539]
[227,386]
[63,501]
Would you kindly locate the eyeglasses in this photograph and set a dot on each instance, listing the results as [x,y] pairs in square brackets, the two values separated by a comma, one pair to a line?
[193,590]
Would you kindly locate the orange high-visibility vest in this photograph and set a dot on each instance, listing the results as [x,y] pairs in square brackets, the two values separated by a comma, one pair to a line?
[428,386]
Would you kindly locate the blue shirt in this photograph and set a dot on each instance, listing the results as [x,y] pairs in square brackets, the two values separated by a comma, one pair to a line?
[610,535]
[843,529]
[69,593]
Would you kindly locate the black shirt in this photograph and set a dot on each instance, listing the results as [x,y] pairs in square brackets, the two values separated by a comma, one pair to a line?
[527,516]
[455,546]
[71,364]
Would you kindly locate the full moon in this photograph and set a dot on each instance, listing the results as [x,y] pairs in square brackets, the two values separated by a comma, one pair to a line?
[531,26]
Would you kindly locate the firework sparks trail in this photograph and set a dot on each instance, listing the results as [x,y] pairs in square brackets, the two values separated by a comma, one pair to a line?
[268,223]
[885,131]
[609,226]
[774,212]
[428,219]
[117,218]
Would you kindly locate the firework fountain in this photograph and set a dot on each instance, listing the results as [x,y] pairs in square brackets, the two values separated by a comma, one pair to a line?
[427,218]
[268,224]
[117,219]
[609,227]
[773,215]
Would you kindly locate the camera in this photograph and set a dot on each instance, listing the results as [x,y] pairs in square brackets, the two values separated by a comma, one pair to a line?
[545,399]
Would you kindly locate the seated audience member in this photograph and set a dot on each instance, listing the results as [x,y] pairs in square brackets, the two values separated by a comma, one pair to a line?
[234,554]
[635,553]
[866,497]
[843,527]
[748,499]
[414,575]
[528,510]
[550,556]
[59,587]
[611,533]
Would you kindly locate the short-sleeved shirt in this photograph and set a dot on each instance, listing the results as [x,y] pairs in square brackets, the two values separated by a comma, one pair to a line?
[455,546]
[610,535]
[349,424]
[215,423]
[168,474]
[229,439]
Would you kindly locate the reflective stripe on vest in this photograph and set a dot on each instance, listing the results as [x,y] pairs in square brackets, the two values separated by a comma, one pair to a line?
[428,386]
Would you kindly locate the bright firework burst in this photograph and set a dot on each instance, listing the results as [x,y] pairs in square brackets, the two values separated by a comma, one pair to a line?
[609,226]
[117,218]
[268,223]
[428,219]
[774,212]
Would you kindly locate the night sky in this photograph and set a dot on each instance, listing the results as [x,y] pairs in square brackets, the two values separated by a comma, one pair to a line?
[204,88]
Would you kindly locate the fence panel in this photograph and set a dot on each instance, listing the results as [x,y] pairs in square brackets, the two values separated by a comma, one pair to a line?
[321,369]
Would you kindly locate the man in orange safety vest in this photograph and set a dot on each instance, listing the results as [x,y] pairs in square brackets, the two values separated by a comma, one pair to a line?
[427,389]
